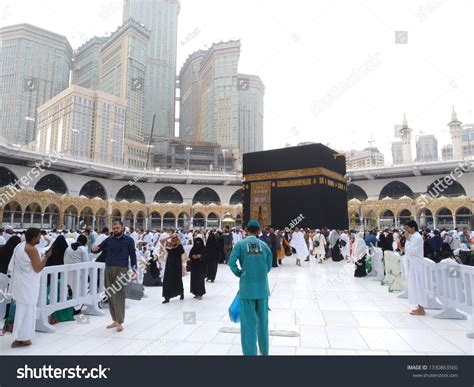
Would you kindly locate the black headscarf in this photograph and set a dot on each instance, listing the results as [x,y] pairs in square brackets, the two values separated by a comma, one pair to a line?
[198,248]
[58,248]
[81,241]
[6,253]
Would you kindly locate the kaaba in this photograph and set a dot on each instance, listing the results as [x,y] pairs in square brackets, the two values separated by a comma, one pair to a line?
[302,186]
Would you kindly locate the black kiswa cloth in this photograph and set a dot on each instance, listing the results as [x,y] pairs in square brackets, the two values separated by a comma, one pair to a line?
[305,182]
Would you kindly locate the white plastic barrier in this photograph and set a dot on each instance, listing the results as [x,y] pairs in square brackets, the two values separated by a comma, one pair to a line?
[393,272]
[430,283]
[376,255]
[5,297]
[454,286]
[404,267]
[467,277]
[87,283]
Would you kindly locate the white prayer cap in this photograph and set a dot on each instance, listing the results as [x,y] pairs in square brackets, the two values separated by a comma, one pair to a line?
[164,236]
[8,227]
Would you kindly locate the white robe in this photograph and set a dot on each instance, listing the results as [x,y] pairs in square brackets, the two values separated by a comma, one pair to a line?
[25,282]
[25,286]
[298,242]
[346,250]
[319,250]
[359,249]
[417,294]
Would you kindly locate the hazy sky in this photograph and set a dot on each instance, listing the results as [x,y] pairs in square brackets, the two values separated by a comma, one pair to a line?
[332,70]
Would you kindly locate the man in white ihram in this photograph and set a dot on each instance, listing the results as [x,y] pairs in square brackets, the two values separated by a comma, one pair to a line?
[299,244]
[25,268]
[416,281]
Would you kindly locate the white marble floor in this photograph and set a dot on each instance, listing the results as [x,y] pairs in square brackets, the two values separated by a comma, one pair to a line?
[334,313]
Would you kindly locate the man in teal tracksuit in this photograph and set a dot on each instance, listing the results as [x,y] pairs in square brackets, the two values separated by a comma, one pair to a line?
[255,260]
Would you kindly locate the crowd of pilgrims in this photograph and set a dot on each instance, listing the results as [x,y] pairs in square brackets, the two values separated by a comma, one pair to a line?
[166,256]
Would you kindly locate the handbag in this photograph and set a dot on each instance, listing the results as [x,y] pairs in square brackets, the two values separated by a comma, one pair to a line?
[234,309]
[134,291]
[152,275]
[368,265]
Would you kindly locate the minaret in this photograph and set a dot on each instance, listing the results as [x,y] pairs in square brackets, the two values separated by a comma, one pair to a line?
[405,134]
[456,136]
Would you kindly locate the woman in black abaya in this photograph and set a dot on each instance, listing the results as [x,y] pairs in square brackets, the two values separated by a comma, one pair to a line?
[334,242]
[212,256]
[6,253]
[198,268]
[58,249]
[173,278]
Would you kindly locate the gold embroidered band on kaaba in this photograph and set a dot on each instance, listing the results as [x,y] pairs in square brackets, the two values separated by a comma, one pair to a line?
[295,173]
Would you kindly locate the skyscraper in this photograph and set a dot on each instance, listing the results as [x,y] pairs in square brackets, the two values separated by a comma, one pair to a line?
[161,18]
[83,123]
[190,96]
[34,67]
[219,105]
[87,63]
[218,120]
[251,91]
[123,72]
[209,96]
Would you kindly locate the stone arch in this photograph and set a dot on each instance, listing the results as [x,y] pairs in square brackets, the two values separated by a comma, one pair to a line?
[52,182]
[387,218]
[87,216]
[426,219]
[7,177]
[32,215]
[237,197]
[354,219]
[396,190]
[71,218]
[207,196]
[51,217]
[93,189]
[168,195]
[463,217]
[444,218]
[169,221]
[116,215]
[12,214]
[199,220]
[184,221]
[140,222]
[440,188]
[405,216]
[356,192]
[128,219]
[131,193]
[155,220]
[101,218]
[212,220]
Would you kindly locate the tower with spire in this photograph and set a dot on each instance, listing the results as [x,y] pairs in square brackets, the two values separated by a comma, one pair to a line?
[455,129]
[405,135]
